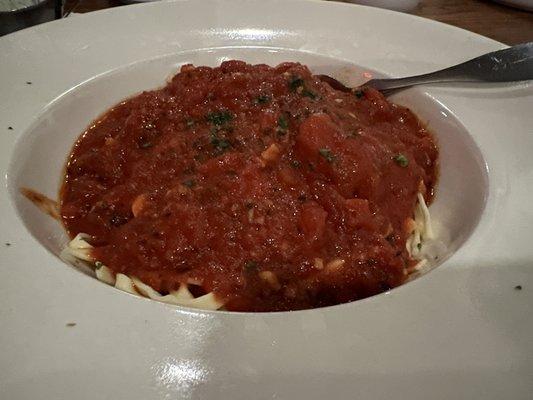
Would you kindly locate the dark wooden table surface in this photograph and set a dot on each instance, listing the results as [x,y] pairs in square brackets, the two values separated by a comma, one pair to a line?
[502,23]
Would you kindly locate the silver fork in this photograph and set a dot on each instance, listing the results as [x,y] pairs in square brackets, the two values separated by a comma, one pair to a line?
[508,65]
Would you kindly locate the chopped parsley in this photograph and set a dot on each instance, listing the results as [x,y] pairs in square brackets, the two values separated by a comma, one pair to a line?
[145,145]
[518,287]
[359,93]
[221,144]
[190,123]
[218,143]
[307,93]
[295,83]
[419,246]
[250,265]
[219,117]
[283,123]
[327,154]
[189,183]
[295,163]
[98,264]
[298,84]
[401,160]
[262,99]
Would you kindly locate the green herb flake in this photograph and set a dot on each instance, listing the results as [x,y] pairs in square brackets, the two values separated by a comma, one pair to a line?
[145,145]
[189,183]
[250,266]
[218,143]
[295,83]
[190,123]
[295,163]
[307,93]
[359,94]
[219,117]
[283,123]
[262,99]
[327,154]
[98,264]
[224,144]
[419,246]
[401,160]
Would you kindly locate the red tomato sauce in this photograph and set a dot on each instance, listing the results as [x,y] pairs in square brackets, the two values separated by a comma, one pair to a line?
[261,184]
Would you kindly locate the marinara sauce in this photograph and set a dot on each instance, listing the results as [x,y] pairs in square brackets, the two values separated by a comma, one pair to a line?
[261,184]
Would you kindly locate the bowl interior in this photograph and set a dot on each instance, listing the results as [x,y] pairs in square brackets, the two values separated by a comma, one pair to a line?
[41,152]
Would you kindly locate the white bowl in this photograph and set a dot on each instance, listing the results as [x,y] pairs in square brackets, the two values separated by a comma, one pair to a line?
[460,331]
[461,190]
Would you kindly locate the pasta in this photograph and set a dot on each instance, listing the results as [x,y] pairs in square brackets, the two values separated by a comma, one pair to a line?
[79,249]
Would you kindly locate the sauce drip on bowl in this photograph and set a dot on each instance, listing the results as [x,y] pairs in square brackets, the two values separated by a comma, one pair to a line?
[261,184]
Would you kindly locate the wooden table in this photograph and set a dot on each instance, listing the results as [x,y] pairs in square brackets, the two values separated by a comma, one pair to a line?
[502,23]
[505,24]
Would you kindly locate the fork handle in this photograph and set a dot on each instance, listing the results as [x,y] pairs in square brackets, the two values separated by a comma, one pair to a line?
[508,65]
